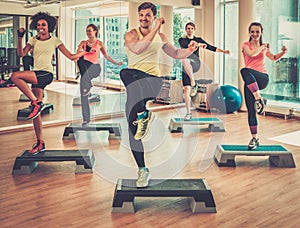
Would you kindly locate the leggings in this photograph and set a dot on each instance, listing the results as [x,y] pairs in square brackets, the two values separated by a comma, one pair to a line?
[88,71]
[254,81]
[140,87]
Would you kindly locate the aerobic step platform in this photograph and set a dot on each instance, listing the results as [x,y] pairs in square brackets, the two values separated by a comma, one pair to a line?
[114,129]
[197,190]
[23,113]
[26,163]
[92,98]
[278,155]
[214,124]
[23,98]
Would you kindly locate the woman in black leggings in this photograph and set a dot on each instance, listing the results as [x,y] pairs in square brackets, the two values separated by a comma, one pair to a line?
[89,66]
[255,76]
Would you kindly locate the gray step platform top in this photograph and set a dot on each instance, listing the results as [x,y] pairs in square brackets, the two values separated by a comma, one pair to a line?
[55,155]
[177,187]
[196,190]
[94,127]
[26,163]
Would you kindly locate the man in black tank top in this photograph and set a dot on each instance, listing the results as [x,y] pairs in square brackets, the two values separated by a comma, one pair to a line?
[192,64]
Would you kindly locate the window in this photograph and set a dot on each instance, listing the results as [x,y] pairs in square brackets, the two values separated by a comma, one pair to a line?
[113,40]
[181,16]
[230,41]
[281,27]
[112,37]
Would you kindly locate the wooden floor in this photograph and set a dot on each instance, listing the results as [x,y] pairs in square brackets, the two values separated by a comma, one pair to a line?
[251,195]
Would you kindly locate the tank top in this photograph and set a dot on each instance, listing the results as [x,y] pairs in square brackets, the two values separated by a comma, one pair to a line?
[256,62]
[148,61]
[92,56]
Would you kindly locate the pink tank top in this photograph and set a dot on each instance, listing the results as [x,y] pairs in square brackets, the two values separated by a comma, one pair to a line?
[255,62]
[92,56]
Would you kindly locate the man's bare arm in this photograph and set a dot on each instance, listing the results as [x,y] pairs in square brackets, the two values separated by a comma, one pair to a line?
[178,53]
[137,45]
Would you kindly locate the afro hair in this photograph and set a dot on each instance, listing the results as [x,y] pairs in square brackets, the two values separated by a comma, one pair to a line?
[45,16]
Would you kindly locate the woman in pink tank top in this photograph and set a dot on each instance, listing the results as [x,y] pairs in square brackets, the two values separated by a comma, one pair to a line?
[89,67]
[255,76]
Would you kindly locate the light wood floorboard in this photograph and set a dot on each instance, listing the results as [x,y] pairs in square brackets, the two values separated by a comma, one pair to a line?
[251,195]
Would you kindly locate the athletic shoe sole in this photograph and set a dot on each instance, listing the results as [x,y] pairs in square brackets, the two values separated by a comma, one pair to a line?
[35,153]
[146,185]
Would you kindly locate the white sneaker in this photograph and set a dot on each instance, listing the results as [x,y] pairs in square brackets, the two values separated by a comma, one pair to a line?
[188,116]
[260,106]
[194,90]
[143,178]
[253,144]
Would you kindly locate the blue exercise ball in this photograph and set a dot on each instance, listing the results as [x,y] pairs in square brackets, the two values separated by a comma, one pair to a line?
[226,99]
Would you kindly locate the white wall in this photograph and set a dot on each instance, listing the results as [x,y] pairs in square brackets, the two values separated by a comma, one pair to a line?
[208,34]
[66,67]
[18,9]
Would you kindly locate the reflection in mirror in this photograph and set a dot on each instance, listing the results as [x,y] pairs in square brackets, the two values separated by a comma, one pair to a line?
[102,31]
[63,94]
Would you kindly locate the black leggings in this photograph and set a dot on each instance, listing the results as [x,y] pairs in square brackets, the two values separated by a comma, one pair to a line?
[88,71]
[140,87]
[254,80]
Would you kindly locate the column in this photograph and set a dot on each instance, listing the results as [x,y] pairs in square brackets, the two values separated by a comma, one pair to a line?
[166,62]
[133,16]
[208,32]
[246,16]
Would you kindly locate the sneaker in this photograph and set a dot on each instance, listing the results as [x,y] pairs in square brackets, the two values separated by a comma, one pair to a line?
[143,178]
[253,144]
[143,126]
[187,116]
[85,123]
[38,147]
[77,75]
[36,109]
[194,90]
[260,106]
[87,92]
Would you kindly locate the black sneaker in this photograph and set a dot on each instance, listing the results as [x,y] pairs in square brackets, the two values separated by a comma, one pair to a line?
[253,144]
[85,123]
[36,109]
[260,106]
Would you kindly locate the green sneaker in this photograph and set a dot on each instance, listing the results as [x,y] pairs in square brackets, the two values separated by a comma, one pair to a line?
[143,178]
[143,126]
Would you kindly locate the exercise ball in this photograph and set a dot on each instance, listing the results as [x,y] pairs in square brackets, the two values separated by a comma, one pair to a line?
[226,99]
